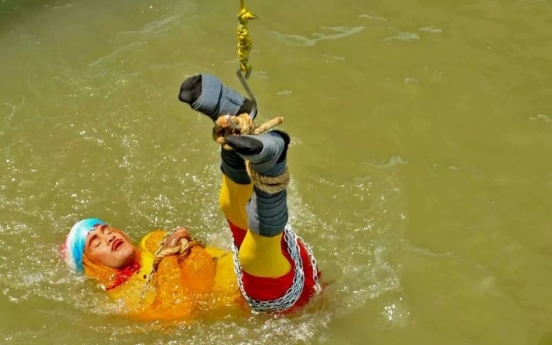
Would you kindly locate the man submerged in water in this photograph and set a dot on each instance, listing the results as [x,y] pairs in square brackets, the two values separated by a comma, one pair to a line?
[269,269]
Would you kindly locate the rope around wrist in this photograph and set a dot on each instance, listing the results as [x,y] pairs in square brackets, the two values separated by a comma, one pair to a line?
[182,248]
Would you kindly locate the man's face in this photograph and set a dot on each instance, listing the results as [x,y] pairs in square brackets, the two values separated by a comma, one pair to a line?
[110,247]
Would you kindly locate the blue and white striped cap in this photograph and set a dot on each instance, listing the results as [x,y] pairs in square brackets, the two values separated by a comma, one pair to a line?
[73,248]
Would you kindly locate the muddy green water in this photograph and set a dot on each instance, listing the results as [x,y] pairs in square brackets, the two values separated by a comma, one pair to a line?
[421,161]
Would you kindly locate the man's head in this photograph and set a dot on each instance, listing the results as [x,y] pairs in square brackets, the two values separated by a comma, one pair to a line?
[93,241]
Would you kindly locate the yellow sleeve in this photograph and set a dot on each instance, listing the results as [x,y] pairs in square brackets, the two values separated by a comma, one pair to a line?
[151,241]
[172,300]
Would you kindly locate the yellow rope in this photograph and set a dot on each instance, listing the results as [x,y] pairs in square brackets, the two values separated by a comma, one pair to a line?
[244,41]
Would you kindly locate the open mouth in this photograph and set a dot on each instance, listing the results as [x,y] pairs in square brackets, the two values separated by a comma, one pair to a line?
[116,244]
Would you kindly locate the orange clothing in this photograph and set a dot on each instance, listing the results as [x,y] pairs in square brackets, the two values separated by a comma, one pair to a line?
[205,283]
[180,290]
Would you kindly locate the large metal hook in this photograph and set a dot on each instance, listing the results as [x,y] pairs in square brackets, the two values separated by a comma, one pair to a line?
[243,79]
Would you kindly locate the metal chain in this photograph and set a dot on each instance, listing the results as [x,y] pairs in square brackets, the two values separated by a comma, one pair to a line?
[296,289]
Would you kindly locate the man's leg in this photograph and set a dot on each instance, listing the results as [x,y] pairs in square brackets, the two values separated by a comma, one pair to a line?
[206,93]
[261,252]
[234,196]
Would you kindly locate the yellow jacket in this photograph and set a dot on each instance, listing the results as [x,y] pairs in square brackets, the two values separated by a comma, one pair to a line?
[203,283]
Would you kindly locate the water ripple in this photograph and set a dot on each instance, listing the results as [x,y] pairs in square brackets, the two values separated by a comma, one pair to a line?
[298,40]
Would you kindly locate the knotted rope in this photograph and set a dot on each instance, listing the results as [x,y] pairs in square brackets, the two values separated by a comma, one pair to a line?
[245,44]
[244,40]
[268,184]
[240,125]
[243,124]
[182,248]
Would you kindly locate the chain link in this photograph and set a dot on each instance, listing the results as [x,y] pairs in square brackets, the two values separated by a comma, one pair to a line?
[294,292]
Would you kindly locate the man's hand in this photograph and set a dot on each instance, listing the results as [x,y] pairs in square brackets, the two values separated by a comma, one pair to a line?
[174,239]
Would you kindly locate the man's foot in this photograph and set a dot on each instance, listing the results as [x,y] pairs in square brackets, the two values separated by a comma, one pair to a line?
[190,90]
[245,145]
[266,152]
[206,94]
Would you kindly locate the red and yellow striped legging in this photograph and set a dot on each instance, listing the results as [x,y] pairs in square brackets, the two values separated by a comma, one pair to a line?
[266,265]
